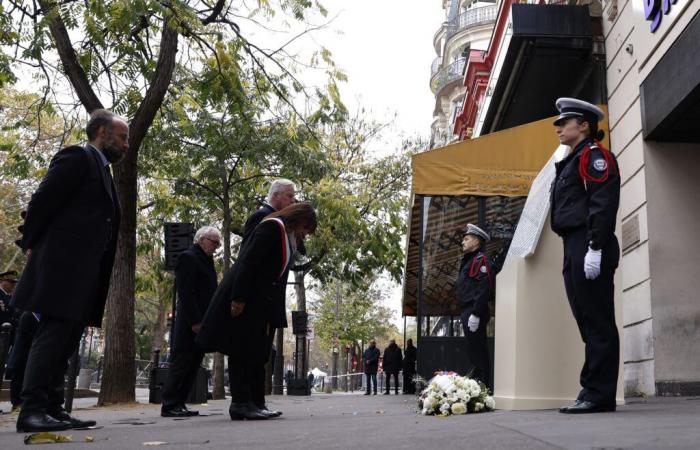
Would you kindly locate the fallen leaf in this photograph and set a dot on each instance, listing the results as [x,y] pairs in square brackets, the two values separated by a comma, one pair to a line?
[46,438]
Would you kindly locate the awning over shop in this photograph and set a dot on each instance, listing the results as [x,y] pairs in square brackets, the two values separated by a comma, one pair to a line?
[484,181]
[502,163]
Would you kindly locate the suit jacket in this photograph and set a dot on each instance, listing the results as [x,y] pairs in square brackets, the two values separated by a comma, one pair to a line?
[278,294]
[251,280]
[71,227]
[195,277]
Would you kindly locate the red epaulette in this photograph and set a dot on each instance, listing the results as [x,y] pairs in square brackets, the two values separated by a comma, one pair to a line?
[477,263]
[583,164]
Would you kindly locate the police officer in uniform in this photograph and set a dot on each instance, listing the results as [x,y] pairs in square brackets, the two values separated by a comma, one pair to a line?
[584,202]
[474,290]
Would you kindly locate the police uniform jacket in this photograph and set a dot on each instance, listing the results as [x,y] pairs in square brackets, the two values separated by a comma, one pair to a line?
[71,227]
[586,194]
[195,277]
[261,263]
[475,285]
[278,294]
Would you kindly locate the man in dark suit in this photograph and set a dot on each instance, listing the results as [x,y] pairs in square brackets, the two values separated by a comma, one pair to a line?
[409,368]
[70,238]
[195,277]
[280,195]
[392,366]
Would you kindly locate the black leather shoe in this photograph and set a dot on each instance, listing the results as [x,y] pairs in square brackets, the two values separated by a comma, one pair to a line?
[264,409]
[190,412]
[40,422]
[243,411]
[367,393]
[564,409]
[174,411]
[586,407]
[75,423]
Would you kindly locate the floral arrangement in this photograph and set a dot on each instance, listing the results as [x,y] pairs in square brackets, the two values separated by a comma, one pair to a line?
[448,393]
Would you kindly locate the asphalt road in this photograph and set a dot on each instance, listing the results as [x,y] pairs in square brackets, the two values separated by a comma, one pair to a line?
[350,421]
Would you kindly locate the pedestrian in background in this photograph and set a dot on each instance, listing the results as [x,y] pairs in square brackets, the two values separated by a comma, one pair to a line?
[409,368]
[195,278]
[238,321]
[371,360]
[392,366]
[70,238]
[584,202]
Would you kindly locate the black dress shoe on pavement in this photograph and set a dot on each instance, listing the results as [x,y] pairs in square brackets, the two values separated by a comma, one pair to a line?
[175,411]
[264,409]
[564,409]
[367,393]
[190,412]
[586,407]
[244,411]
[40,422]
[75,423]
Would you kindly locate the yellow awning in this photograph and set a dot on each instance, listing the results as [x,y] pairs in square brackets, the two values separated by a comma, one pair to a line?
[502,163]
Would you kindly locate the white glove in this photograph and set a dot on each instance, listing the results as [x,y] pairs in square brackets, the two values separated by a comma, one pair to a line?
[591,263]
[473,323]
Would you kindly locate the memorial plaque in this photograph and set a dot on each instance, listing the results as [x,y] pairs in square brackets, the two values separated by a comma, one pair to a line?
[535,212]
[630,232]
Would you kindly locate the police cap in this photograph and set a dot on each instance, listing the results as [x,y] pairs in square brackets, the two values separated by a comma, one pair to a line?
[476,231]
[573,107]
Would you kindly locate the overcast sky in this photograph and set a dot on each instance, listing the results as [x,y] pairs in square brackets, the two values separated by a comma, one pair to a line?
[386,48]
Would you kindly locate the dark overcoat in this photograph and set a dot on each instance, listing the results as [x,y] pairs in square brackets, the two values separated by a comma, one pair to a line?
[278,294]
[392,359]
[260,264]
[371,359]
[71,227]
[196,281]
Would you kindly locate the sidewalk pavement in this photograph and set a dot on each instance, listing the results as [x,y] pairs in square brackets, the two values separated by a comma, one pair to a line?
[342,421]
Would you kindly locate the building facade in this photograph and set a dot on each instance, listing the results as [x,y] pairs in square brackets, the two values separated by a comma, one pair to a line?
[641,58]
[467,28]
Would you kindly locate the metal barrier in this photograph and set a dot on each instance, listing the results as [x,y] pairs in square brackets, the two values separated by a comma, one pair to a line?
[352,382]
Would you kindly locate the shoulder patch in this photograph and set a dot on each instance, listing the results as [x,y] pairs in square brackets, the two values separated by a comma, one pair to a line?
[600,165]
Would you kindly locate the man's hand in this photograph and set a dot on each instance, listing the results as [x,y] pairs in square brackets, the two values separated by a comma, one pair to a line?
[591,263]
[473,323]
[2,306]
[196,327]
[237,308]
[28,252]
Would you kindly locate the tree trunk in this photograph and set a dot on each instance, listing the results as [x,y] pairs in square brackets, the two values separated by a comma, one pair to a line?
[119,379]
[300,289]
[164,304]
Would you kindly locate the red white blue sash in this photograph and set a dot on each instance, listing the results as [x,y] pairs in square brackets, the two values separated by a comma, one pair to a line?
[286,245]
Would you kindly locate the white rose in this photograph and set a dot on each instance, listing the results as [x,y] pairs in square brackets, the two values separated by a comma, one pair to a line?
[478,407]
[459,408]
[445,409]
[490,403]
[430,403]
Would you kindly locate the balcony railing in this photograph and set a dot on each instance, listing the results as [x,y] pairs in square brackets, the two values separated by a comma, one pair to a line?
[435,66]
[471,18]
[447,75]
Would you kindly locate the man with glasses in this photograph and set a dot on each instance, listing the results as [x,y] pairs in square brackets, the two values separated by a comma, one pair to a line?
[196,282]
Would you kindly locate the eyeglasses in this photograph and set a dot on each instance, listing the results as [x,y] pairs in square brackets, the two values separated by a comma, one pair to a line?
[217,243]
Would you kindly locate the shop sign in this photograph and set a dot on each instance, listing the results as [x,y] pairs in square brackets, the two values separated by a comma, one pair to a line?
[654,9]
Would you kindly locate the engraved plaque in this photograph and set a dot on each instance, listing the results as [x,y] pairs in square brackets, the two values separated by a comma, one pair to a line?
[630,232]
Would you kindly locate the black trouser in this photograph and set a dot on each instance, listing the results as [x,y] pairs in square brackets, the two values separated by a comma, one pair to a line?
[388,376]
[478,349]
[54,343]
[593,306]
[181,374]
[409,386]
[247,378]
[371,378]
[17,361]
